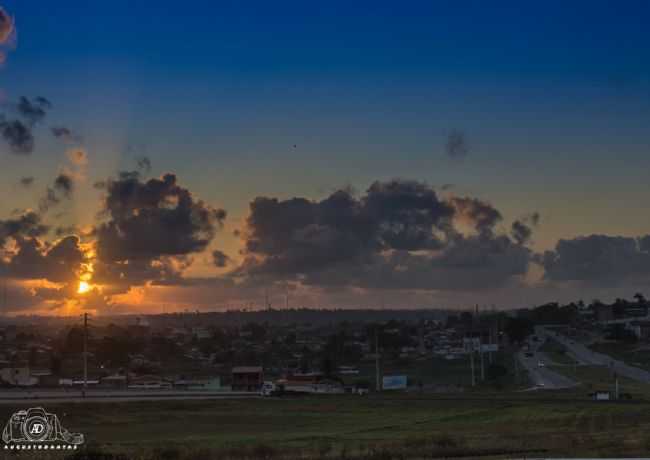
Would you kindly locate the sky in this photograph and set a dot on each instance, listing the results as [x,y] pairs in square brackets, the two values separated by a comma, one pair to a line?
[409,154]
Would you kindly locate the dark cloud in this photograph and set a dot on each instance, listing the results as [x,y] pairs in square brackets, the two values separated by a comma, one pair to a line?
[407,215]
[18,135]
[30,257]
[26,225]
[456,146]
[220,259]
[144,164]
[18,132]
[66,230]
[62,188]
[399,235]
[65,134]
[151,228]
[522,230]
[60,262]
[598,259]
[27,181]
[481,215]
[64,184]
[33,111]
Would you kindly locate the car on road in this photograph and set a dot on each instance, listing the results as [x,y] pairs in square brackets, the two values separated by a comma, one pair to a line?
[540,364]
[269,389]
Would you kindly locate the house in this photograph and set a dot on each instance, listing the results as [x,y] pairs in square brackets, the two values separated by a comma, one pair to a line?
[20,376]
[602,396]
[247,378]
[641,329]
[115,381]
[604,313]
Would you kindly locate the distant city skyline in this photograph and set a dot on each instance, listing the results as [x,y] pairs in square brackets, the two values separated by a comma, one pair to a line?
[202,155]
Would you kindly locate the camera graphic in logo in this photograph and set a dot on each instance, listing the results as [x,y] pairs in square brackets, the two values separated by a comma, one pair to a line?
[35,425]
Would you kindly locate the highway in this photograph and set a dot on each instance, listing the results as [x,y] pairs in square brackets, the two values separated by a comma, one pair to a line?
[590,357]
[543,378]
[66,396]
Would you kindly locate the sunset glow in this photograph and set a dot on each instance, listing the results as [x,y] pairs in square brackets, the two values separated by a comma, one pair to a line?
[83,287]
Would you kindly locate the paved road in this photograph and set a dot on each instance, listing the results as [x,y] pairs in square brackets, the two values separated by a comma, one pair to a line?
[58,396]
[542,377]
[587,356]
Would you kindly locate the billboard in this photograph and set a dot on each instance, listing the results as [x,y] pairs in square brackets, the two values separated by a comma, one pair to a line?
[487,348]
[394,382]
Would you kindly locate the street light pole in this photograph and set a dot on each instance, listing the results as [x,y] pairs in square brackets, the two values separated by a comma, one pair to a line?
[85,384]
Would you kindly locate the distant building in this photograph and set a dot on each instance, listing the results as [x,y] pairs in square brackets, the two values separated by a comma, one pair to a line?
[20,376]
[115,381]
[602,396]
[604,313]
[247,378]
[641,329]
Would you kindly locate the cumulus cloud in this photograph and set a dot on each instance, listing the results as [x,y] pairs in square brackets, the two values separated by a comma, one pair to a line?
[62,188]
[18,132]
[18,135]
[457,146]
[522,229]
[398,235]
[65,134]
[480,214]
[220,258]
[59,262]
[144,164]
[598,259]
[34,110]
[151,229]
[25,225]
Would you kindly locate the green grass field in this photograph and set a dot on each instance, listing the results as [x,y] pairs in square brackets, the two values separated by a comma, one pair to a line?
[556,352]
[634,354]
[360,427]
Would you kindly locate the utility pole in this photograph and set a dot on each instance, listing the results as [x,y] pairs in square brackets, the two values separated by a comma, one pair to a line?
[85,386]
[516,366]
[471,363]
[286,299]
[377,381]
[480,351]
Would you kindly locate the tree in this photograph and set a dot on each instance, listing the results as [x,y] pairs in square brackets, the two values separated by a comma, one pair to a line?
[518,329]
[74,341]
[496,371]
[327,366]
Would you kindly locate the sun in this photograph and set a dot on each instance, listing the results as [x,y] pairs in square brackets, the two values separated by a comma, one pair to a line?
[83,287]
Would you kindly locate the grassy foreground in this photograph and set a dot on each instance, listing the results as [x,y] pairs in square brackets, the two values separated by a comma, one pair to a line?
[356,427]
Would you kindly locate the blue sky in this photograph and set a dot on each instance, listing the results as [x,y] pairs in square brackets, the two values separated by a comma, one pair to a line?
[554,98]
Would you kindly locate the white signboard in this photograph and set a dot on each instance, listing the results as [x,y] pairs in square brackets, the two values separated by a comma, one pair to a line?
[394,382]
[471,344]
[489,347]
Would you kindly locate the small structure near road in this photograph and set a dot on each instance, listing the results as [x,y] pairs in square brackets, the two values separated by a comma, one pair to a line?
[247,378]
[602,396]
